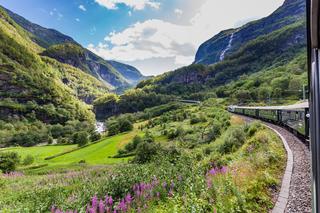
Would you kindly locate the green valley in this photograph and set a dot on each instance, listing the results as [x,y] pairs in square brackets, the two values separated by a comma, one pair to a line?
[80,132]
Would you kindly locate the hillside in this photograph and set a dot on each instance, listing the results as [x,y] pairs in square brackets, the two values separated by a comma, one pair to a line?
[229,41]
[77,56]
[64,49]
[37,87]
[274,41]
[131,74]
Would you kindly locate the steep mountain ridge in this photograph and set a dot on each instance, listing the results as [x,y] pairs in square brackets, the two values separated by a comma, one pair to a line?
[79,57]
[132,74]
[210,51]
[64,49]
[40,88]
[277,42]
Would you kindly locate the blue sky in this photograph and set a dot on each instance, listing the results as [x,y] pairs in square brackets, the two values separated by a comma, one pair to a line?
[154,35]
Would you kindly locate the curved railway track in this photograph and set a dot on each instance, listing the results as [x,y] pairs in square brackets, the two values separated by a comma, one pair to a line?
[300,196]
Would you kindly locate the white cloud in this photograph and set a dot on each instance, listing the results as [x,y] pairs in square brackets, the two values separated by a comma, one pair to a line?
[135,4]
[156,39]
[81,7]
[129,13]
[178,12]
[55,13]
[77,19]
[150,39]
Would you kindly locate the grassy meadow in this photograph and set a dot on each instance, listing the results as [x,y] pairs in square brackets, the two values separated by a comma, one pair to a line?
[197,158]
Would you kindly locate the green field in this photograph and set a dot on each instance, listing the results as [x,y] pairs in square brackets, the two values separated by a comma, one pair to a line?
[99,153]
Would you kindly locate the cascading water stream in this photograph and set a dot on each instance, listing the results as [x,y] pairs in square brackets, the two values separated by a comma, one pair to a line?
[100,127]
[227,48]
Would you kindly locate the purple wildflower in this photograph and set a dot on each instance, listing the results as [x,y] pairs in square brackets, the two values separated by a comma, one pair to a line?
[101,207]
[212,171]
[164,184]
[95,202]
[122,206]
[172,184]
[224,170]
[128,199]
[110,201]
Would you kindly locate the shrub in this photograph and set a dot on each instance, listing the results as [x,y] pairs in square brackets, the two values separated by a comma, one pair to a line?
[148,137]
[82,162]
[233,140]
[113,127]
[95,136]
[8,161]
[80,138]
[118,125]
[28,160]
[145,152]
[63,140]
[174,133]
[195,120]
[214,132]
[125,125]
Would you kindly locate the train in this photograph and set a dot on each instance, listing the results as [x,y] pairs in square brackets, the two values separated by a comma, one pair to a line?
[295,117]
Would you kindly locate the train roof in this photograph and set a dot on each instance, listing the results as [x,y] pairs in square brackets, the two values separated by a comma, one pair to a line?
[301,105]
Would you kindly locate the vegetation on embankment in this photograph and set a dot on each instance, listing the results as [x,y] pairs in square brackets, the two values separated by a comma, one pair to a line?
[189,158]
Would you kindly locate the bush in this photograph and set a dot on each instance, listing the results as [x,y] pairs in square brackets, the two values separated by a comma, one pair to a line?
[148,137]
[80,138]
[118,125]
[145,152]
[195,120]
[95,136]
[63,140]
[8,161]
[234,139]
[28,160]
[214,132]
[82,162]
[125,125]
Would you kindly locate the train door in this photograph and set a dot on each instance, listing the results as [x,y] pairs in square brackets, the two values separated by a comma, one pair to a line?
[313,23]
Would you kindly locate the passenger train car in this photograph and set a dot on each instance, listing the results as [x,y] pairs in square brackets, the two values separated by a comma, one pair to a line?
[294,117]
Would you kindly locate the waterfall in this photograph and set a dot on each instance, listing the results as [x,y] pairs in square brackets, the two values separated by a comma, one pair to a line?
[100,127]
[223,53]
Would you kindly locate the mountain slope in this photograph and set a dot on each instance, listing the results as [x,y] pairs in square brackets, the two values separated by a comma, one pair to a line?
[40,88]
[42,36]
[214,49]
[64,49]
[130,73]
[266,51]
[79,57]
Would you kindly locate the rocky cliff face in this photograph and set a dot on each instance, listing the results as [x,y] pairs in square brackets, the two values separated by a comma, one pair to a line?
[210,52]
